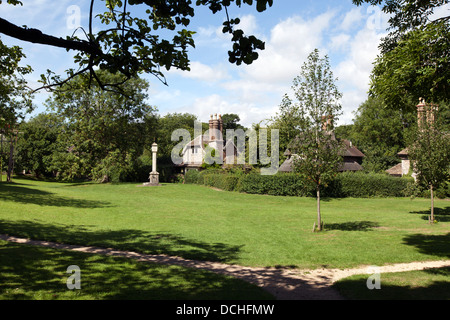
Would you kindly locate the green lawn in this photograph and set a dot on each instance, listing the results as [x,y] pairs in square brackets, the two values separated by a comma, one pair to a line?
[35,273]
[196,222]
[431,284]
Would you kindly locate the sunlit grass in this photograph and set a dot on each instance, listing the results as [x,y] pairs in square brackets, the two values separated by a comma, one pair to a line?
[196,222]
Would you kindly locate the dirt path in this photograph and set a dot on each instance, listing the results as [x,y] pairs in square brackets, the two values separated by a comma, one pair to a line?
[282,283]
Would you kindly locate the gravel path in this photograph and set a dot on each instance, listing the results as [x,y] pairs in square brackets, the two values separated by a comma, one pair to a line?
[284,284]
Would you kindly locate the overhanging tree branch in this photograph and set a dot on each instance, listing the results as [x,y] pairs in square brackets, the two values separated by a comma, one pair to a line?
[37,36]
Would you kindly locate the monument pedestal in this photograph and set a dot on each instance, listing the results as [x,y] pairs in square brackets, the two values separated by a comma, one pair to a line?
[154,179]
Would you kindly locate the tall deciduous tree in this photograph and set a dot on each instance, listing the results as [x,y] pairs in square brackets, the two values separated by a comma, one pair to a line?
[131,44]
[379,132]
[231,121]
[15,97]
[319,155]
[102,128]
[38,141]
[166,126]
[419,66]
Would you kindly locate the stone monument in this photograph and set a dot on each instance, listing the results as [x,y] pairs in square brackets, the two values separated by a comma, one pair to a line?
[154,175]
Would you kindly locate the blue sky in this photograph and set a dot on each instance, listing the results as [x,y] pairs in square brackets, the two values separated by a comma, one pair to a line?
[348,34]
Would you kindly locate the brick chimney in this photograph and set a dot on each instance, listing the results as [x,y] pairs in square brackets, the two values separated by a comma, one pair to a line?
[215,128]
[426,112]
[211,131]
[221,126]
[327,123]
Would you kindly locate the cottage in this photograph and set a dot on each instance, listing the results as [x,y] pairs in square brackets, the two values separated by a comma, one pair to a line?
[352,157]
[424,113]
[195,151]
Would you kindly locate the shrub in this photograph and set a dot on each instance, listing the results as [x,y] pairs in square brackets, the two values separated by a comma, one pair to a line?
[361,185]
[284,184]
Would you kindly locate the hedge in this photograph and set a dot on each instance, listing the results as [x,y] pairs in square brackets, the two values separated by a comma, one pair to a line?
[347,184]
[362,185]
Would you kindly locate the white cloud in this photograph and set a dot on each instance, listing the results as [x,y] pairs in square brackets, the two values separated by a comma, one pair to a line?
[248,24]
[354,71]
[340,41]
[351,18]
[440,12]
[289,44]
[203,72]
[249,113]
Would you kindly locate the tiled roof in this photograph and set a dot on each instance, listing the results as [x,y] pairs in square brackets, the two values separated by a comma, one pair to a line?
[395,170]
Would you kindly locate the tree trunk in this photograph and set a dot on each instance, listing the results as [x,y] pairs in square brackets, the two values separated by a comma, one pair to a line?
[432,204]
[10,163]
[319,218]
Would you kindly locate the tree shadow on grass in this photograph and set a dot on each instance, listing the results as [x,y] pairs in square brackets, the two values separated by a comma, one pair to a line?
[30,272]
[440,214]
[127,240]
[352,226]
[355,288]
[18,192]
[436,245]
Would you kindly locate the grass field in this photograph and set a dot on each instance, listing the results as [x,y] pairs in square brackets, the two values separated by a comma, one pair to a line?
[431,284]
[197,222]
[34,273]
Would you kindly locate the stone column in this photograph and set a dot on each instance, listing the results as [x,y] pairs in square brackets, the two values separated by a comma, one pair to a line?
[154,175]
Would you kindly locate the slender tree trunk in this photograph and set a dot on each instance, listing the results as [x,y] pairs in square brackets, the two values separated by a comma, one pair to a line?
[432,204]
[10,163]
[319,218]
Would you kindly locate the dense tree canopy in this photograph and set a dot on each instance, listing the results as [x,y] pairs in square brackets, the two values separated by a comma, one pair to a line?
[379,132]
[103,130]
[418,67]
[15,98]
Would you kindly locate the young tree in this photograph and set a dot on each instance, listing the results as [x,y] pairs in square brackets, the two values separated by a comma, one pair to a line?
[429,149]
[319,154]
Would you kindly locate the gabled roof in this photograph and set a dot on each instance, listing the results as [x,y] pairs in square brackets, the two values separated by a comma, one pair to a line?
[395,170]
[351,166]
[351,150]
